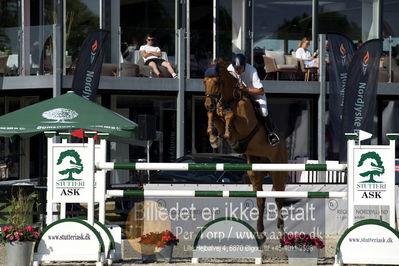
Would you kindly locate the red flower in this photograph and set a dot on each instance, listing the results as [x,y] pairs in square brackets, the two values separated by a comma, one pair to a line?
[29,228]
[160,244]
[160,239]
[301,240]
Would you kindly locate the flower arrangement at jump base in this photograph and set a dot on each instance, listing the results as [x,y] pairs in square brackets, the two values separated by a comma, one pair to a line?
[163,242]
[302,248]
[303,241]
[19,236]
[12,233]
[159,239]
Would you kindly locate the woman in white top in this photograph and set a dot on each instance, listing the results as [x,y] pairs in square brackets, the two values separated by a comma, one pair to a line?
[304,53]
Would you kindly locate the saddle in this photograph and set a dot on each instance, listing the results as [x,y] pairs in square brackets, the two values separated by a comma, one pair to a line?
[258,111]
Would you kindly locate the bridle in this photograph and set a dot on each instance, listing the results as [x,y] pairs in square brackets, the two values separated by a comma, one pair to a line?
[216,99]
[213,72]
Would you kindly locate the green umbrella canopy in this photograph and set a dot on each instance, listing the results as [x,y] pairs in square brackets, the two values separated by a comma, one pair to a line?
[64,112]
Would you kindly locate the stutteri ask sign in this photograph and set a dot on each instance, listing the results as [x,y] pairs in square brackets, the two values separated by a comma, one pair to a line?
[374,175]
[71,174]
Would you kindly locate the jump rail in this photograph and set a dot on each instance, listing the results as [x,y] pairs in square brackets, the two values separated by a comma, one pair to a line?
[224,194]
[220,167]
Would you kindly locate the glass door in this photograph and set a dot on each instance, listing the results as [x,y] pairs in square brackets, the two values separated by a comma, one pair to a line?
[217,29]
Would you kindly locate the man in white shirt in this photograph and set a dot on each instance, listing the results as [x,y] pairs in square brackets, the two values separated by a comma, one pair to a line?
[249,81]
[152,57]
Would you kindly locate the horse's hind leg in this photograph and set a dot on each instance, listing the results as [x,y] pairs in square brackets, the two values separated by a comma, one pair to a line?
[256,179]
[279,182]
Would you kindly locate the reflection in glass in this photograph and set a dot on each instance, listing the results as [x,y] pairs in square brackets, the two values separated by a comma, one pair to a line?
[139,18]
[82,18]
[279,25]
[225,33]
[9,39]
[164,150]
[342,16]
[201,38]
[390,28]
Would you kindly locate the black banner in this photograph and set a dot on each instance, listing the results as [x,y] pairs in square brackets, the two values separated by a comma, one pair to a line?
[360,96]
[341,51]
[88,68]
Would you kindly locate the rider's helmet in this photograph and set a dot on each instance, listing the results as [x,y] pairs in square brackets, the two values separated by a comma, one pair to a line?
[239,60]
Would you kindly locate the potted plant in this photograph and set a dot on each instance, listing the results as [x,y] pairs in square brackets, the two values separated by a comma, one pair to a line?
[302,248]
[163,243]
[19,235]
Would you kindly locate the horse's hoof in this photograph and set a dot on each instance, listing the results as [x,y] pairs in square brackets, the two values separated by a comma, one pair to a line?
[261,237]
[216,143]
[280,226]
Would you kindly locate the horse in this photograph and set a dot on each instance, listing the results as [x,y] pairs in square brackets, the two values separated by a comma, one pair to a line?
[231,113]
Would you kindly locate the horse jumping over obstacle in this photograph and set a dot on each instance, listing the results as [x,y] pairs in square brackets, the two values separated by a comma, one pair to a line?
[231,113]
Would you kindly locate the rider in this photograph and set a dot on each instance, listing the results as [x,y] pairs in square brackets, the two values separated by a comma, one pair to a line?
[249,81]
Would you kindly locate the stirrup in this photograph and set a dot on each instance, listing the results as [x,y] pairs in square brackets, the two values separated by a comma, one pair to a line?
[273,139]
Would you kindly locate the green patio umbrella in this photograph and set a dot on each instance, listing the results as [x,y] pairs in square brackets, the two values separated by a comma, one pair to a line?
[68,112]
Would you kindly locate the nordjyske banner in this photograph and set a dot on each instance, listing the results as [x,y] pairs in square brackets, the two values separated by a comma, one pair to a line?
[360,95]
[341,51]
[88,68]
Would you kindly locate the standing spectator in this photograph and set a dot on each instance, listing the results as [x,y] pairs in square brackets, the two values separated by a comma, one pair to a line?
[152,57]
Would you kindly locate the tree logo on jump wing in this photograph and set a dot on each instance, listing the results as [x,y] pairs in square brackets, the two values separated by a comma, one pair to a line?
[71,164]
[372,165]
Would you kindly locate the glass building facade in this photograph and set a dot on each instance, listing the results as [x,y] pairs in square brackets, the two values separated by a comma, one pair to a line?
[37,35]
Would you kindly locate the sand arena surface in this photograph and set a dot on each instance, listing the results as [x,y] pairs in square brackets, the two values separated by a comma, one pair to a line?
[272,255]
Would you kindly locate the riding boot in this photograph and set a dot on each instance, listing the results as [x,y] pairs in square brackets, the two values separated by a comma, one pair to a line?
[272,136]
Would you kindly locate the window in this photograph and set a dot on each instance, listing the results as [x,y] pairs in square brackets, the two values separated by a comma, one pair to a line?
[279,25]
[81,18]
[138,18]
[163,150]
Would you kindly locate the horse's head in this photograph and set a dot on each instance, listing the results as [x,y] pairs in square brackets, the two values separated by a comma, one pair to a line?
[219,84]
[212,87]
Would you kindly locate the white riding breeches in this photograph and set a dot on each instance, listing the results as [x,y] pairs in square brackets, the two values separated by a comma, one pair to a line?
[261,100]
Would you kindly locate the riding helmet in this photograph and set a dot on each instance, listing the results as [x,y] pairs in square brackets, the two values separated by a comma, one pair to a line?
[238,60]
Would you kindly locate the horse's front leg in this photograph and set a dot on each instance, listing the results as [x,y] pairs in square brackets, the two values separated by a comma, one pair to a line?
[213,130]
[228,118]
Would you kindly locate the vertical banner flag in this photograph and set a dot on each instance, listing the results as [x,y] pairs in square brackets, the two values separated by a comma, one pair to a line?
[340,50]
[360,95]
[88,68]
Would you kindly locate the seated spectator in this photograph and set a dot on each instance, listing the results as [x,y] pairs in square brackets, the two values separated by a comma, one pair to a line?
[152,57]
[304,53]
[128,54]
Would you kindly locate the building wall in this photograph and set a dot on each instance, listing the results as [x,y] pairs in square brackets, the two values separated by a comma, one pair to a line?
[247,26]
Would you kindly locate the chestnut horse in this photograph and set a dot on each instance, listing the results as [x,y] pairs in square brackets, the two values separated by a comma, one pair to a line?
[231,112]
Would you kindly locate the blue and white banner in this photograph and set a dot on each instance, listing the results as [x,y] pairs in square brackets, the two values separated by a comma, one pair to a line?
[341,51]
[88,68]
